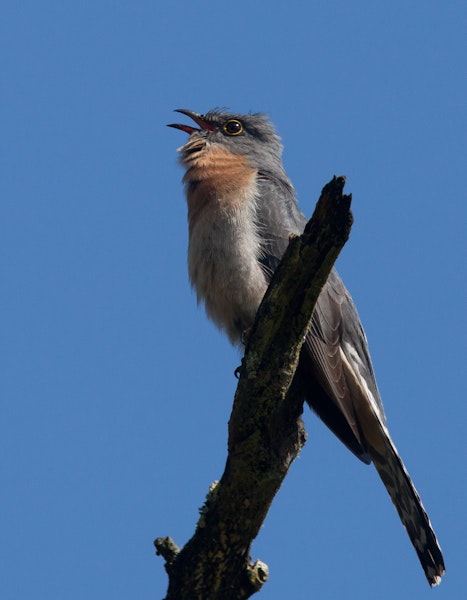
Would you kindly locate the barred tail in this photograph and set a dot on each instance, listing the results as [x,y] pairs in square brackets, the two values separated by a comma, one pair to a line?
[405,498]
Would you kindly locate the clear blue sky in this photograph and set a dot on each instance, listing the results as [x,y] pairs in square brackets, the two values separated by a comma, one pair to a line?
[115,390]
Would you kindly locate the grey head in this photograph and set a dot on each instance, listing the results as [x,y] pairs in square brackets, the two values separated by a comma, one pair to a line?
[252,136]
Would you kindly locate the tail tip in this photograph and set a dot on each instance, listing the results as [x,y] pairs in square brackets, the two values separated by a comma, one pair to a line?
[434,579]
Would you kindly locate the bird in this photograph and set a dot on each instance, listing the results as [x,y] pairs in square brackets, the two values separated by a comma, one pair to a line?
[242,210]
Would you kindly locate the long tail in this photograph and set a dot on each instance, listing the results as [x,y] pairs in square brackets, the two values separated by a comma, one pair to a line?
[405,497]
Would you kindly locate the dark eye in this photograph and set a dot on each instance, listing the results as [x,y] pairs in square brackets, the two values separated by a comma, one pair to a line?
[233,127]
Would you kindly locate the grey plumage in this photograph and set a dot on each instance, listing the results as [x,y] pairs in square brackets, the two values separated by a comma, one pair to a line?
[241,211]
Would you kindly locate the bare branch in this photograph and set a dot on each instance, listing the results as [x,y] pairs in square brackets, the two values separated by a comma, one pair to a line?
[266,431]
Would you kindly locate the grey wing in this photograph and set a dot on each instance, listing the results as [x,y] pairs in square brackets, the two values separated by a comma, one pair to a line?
[335,359]
[336,355]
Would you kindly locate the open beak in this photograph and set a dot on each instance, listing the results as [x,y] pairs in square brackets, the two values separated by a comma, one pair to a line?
[198,119]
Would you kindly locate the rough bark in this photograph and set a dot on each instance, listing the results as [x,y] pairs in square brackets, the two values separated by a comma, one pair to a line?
[266,432]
